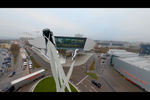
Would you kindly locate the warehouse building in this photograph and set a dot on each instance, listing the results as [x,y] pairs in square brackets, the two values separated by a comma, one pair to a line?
[111,43]
[134,67]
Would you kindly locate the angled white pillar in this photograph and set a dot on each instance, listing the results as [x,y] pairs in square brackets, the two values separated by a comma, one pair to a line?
[60,78]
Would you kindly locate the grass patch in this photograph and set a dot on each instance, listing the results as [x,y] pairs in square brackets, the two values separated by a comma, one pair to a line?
[46,69]
[48,85]
[92,66]
[34,63]
[15,60]
[93,75]
[28,52]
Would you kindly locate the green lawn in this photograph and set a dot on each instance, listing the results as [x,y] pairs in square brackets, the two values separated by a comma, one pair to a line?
[93,75]
[34,63]
[15,60]
[92,66]
[48,85]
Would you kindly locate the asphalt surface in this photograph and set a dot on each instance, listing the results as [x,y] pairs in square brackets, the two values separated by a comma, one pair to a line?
[109,78]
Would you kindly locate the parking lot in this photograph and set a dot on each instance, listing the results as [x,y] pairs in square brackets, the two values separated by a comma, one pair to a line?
[110,79]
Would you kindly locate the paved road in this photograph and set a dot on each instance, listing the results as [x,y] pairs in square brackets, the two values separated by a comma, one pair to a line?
[41,62]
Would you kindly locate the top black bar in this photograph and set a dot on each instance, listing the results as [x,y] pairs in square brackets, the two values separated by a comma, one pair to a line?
[74,4]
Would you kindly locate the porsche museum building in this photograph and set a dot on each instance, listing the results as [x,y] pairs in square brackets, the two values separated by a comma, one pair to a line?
[65,46]
[65,43]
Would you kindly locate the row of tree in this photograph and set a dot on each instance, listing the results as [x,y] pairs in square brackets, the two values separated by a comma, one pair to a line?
[14,50]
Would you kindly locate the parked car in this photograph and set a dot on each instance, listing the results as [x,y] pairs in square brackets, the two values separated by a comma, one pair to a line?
[30,66]
[7,58]
[12,74]
[30,62]
[96,83]
[24,65]
[6,62]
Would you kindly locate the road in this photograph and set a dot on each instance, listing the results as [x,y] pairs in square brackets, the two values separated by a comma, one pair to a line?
[42,63]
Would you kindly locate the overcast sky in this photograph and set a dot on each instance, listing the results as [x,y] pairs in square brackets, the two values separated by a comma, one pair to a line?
[121,24]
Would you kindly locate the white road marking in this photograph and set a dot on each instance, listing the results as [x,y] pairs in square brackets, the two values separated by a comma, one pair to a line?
[82,80]
[94,89]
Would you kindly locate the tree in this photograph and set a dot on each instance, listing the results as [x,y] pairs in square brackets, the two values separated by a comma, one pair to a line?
[14,49]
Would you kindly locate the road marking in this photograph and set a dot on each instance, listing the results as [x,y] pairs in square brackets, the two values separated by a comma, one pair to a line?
[94,89]
[82,80]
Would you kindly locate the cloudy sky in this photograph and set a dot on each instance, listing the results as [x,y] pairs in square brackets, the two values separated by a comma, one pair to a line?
[121,24]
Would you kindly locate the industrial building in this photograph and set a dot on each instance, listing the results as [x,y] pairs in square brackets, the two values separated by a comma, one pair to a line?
[111,43]
[134,67]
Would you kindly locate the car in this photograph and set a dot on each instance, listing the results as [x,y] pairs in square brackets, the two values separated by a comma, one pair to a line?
[24,63]
[30,62]
[30,66]
[5,62]
[7,58]
[96,83]
[103,58]
[12,74]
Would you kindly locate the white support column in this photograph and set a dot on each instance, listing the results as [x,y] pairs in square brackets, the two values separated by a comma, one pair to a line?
[60,78]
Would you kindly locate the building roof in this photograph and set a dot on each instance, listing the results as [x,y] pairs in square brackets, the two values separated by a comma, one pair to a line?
[142,62]
[27,76]
[139,61]
[122,53]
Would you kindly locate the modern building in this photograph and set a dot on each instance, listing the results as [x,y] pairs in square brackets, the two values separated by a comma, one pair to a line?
[135,68]
[145,49]
[65,46]
[66,43]
[72,43]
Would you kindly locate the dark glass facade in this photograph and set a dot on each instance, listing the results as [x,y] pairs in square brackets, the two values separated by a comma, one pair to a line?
[145,49]
[69,42]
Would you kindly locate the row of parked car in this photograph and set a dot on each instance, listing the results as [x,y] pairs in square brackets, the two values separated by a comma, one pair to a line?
[7,62]
[29,63]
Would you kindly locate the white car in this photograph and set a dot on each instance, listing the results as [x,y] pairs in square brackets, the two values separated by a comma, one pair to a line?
[30,66]
[24,63]
[30,62]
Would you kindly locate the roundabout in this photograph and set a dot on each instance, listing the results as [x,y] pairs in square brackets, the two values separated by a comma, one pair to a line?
[47,84]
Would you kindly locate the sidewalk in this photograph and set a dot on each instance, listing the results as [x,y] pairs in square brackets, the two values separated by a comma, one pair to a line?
[80,60]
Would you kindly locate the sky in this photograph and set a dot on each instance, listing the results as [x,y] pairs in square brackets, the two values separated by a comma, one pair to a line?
[119,24]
